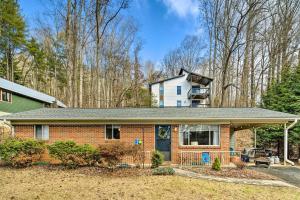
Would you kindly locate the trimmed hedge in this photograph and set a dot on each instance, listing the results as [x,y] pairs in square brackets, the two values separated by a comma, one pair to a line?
[73,155]
[21,152]
[163,171]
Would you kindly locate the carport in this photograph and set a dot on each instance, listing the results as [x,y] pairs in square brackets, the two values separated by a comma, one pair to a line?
[287,120]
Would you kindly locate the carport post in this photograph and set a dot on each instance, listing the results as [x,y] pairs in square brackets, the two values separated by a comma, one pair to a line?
[285,153]
[286,129]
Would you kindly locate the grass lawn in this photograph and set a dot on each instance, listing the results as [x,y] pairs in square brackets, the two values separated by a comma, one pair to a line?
[40,183]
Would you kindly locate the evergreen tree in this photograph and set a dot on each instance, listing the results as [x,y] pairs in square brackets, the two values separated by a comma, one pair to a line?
[283,97]
[12,36]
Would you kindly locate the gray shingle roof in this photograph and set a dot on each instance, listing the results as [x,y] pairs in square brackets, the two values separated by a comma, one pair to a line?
[25,91]
[144,114]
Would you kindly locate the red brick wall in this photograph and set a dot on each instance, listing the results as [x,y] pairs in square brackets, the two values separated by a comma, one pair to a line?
[95,135]
[91,134]
[24,131]
[244,139]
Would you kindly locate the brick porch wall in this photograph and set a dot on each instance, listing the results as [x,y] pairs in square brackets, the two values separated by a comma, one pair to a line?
[95,135]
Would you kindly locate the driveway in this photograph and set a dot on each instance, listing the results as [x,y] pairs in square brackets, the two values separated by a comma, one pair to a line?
[289,174]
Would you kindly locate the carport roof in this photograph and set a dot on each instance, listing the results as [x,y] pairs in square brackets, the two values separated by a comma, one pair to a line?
[184,114]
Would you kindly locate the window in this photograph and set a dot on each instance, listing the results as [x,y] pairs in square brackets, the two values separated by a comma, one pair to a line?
[178,90]
[161,103]
[161,89]
[6,96]
[199,135]
[112,132]
[178,103]
[41,132]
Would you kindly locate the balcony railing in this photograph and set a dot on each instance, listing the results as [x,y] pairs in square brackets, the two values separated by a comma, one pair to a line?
[198,93]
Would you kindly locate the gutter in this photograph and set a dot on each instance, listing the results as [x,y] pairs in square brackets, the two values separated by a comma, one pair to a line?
[286,129]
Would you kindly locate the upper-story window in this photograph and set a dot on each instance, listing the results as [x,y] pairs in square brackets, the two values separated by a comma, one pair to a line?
[178,103]
[5,96]
[161,89]
[178,90]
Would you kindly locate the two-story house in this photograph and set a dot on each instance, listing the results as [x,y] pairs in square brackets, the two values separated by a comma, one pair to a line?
[187,89]
[17,98]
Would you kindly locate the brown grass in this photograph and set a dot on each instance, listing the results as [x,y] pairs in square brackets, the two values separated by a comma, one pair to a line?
[233,173]
[41,183]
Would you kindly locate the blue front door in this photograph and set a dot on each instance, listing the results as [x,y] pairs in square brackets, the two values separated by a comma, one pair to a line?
[163,140]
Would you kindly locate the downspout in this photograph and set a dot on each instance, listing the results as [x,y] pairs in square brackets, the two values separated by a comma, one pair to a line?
[286,129]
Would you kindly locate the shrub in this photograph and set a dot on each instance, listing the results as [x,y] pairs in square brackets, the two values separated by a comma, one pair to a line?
[163,171]
[73,155]
[240,164]
[111,154]
[137,154]
[40,163]
[157,159]
[217,164]
[20,152]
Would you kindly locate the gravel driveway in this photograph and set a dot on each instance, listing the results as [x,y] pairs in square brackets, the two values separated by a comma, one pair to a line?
[289,174]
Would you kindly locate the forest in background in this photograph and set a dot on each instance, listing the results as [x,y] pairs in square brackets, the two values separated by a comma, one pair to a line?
[87,52]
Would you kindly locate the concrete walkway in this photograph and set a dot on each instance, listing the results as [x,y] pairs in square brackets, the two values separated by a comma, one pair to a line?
[191,174]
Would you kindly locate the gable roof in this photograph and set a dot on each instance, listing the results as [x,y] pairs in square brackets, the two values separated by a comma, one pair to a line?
[180,74]
[167,79]
[141,115]
[28,92]
[196,74]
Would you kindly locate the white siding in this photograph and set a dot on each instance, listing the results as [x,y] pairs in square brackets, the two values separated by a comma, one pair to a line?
[155,94]
[170,92]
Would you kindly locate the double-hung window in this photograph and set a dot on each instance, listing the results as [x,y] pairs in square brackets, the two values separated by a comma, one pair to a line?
[161,89]
[112,132]
[199,135]
[178,90]
[41,132]
[5,96]
[178,103]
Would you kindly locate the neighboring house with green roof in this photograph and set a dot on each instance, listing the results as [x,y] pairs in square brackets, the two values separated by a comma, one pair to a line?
[17,98]
[189,136]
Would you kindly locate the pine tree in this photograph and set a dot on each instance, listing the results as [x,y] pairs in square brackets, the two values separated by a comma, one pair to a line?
[283,97]
[12,36]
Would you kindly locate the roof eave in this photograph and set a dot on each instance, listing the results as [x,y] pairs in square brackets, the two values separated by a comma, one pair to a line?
[161,120]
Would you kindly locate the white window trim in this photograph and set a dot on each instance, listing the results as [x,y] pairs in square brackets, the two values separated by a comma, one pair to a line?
[112,128]
[42,132]
[10,96]
[178,86]
[216,145]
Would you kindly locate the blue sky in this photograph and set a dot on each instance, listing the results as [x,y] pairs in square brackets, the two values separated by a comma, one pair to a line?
[163,23]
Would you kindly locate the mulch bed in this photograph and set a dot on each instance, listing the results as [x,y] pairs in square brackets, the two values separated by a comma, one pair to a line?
[233,173]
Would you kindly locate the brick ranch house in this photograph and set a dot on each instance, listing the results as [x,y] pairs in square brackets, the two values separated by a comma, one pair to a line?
[177,132]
